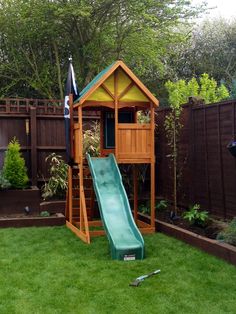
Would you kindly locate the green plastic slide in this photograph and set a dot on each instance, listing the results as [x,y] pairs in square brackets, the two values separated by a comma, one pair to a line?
[125,239]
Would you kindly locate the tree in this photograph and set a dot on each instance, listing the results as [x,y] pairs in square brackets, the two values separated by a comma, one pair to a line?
[210,49]
[37,37]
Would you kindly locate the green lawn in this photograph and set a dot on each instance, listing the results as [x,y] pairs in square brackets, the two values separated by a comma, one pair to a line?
[49,270]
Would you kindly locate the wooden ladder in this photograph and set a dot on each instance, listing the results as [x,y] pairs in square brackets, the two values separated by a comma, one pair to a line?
[80,201]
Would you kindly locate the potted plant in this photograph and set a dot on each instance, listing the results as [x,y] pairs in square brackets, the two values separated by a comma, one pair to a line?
[15,194]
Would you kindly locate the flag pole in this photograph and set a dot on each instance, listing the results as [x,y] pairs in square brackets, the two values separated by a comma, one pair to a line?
[71,100]
[71,93]
[71,126]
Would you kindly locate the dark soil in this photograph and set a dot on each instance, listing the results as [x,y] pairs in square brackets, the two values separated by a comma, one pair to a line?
[210,230]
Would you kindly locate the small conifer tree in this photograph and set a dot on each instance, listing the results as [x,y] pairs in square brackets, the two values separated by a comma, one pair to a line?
[14,169]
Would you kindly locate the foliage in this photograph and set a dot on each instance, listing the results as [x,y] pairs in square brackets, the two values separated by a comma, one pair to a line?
[37,37]
[229,234]
[44,213]
[210,48]
[14,169]
[233,89]
[91,140]
[143,117]
[194,216]
[4,183]
[57,183]
[144,209]
[207,90]
[161,205]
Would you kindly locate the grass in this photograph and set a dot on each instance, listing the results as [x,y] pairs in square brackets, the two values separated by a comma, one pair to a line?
[49,270]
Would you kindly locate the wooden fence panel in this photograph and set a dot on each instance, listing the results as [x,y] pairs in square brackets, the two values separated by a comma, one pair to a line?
[208,171]
[46,131]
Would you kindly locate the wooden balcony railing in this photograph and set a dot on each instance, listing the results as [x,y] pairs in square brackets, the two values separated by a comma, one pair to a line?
[134,142]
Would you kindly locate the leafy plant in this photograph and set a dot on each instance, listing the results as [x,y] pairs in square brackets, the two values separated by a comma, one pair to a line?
[229,234]
[91,140]
[144,209]
[143,117]
[45,213]
[14,169]
[4,183]
[196,217]
[162,205]
[209,90]
[57,183]
[204,88]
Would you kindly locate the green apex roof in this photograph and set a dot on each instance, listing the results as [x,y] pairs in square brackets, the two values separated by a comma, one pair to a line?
[94,81]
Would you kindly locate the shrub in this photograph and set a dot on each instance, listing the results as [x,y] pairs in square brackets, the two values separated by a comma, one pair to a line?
[57,183]
[207,89]
[14,169]
[44,213]
[196,217]
[229,234]
[4,183]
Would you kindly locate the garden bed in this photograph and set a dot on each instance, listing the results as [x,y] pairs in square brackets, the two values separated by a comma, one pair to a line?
[21,220]
[210,230]
[15,201]
[211,246]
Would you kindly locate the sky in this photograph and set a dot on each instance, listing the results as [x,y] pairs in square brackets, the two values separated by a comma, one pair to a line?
[224,8]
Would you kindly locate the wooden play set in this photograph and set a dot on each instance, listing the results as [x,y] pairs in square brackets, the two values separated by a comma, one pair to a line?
[118,95]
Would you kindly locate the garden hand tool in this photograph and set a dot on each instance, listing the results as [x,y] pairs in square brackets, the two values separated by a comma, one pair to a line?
[138,280]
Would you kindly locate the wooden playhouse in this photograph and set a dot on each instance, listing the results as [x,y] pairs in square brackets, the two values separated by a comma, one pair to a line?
[118,95]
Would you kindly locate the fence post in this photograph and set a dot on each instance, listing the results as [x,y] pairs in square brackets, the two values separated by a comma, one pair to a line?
[191,152]
[221,161]
[33,139]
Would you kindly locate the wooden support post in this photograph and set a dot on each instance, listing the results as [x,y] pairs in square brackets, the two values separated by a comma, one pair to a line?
[135,193]
[70,187]
[116,112]
[101,132]
[152,166]
[33,139]
[80,162]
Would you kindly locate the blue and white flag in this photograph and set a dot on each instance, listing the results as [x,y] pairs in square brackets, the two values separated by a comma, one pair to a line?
[71,88]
